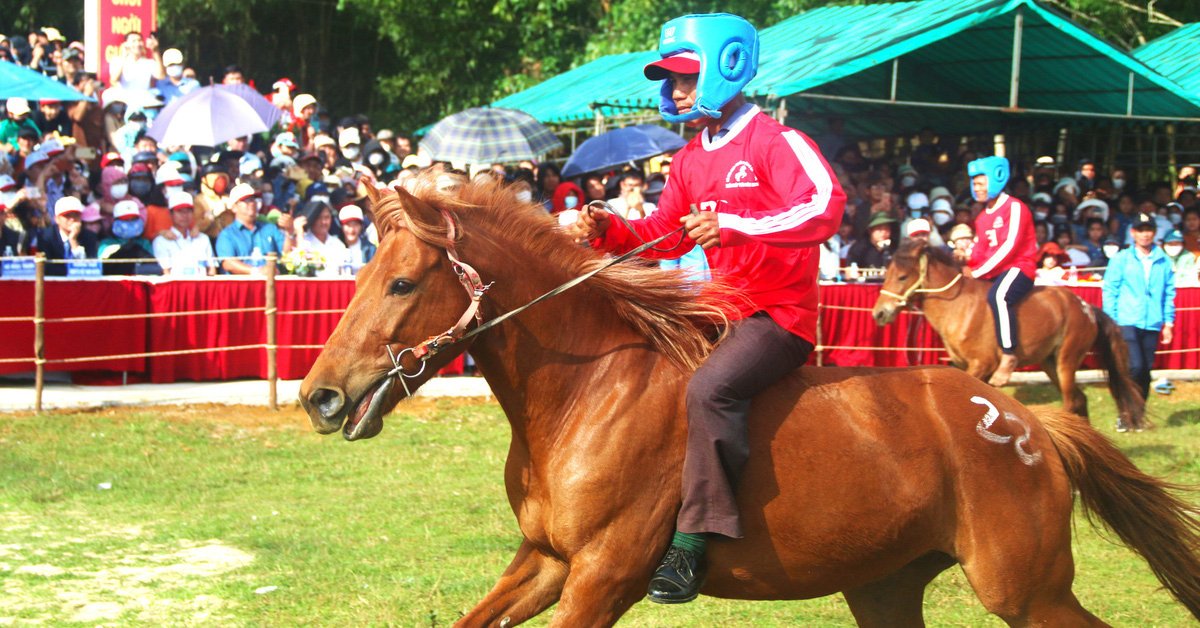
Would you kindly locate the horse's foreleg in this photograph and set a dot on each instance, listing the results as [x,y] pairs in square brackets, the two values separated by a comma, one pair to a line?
[981,369]
[605,581]
[897,600]
[531,584]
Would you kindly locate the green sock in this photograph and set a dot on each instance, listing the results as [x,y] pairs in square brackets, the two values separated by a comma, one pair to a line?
[690,542]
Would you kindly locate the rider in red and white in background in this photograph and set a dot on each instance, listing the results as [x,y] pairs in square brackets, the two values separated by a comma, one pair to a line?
[1005,252]
[765,200]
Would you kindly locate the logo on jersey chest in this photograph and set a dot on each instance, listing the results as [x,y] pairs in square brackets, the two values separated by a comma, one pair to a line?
[741,175]
[998,222]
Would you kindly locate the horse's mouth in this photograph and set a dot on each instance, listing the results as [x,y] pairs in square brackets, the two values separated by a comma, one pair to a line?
[366,421]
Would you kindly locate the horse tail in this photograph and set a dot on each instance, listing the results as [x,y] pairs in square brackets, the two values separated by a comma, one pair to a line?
[1143,510]
[1113,353]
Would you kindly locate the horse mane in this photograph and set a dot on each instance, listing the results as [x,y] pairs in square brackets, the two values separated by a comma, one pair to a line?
[911,249]
[677,313]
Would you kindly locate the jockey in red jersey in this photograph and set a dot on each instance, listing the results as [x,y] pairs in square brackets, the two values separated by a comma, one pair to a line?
[766,200]
[1005,252]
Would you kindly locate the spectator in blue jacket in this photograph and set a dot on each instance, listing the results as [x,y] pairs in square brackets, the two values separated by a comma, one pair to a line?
[1139,294]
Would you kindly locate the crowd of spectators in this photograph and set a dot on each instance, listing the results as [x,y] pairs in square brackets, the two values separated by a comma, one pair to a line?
[85,179]
[1082,211]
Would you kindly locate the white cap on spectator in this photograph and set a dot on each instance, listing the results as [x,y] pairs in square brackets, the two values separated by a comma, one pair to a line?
[241,192]
[67,205]
[323,140]
[350,212]
[6,183]
[180,199]
[36,157]
[17,106]
[287,138]
[918,200]
[52,147]
[941,204]
[349,136]
[939,192]
[919,225]
[172,57]
[301,101]
[1066,182]
[168,173]
[1099,208]
[1044,197]
[126,210]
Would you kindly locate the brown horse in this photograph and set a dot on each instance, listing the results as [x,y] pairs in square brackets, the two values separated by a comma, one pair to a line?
[1057,327]
[864,481]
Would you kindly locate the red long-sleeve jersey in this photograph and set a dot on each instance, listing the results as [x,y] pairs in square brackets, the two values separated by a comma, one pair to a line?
[777,200]
[1004,238]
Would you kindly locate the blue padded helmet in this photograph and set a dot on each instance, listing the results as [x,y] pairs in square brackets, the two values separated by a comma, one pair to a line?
[728,49]
[995,169]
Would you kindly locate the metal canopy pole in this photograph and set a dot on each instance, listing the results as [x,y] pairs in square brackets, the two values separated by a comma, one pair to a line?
[1129,99]
[895,71]
[1014,85]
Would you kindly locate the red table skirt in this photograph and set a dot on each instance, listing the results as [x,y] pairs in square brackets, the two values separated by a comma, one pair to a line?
[846,325]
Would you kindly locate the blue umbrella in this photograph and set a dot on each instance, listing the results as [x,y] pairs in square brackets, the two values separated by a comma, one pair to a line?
[489,135]
[207,116]
[621,146]
[19,82]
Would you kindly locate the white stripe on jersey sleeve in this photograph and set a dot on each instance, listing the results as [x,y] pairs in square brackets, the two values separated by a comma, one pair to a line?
[795,216]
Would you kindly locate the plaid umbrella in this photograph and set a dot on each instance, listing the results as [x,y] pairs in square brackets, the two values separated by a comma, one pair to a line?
[489,135]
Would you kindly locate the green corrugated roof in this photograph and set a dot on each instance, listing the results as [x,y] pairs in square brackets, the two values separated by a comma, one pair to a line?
[1174,56]
[949,51]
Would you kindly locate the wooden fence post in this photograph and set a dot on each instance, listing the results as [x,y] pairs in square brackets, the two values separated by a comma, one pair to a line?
[39,323]
[272,374]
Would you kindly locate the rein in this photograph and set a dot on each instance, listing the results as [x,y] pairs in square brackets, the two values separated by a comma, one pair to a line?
[475,288]
[916,288]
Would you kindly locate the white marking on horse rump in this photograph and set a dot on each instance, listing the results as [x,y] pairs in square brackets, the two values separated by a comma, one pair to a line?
[1019,445]
[1087,309]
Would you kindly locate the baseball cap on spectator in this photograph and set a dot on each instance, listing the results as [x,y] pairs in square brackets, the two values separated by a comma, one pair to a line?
[34,158]
[918,200]
[241,192]
[126,210]
[1172,236]
[287,138]
[7,183]
[172,57]
[52,34]
[350,212]
[1144,221]
[323,140]
[349,137]
[52,147]
[249,163]
[179,200]
[282,161]
[284,83]
[69,204]
[112,159]
[17,106]
[71,53]
[91,213]
[1044,197]
[419,160]
[1066,182]
[168,174]
[919,225]
[906,169]
[682,62]
[302,101]
[385,134]
[1099,208]
[144,156]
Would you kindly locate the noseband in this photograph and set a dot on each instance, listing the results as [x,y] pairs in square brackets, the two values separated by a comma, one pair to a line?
[923,267]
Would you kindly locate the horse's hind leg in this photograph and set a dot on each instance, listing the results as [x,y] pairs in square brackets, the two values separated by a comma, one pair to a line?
[531,584]
[1074,401]
[896,601]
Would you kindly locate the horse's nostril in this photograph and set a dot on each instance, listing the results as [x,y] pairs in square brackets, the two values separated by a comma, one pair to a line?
[327,401]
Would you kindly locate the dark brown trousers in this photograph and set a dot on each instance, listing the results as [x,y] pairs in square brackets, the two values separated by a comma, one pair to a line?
[755,354]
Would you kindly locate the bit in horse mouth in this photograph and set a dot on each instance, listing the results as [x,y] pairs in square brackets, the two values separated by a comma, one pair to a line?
[367,419]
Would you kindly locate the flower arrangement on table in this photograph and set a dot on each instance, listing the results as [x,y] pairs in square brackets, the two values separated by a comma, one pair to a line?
[303,262]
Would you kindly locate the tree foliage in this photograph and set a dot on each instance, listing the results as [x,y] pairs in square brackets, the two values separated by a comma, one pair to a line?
[408,63]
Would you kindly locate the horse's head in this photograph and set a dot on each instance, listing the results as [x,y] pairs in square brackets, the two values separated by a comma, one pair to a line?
[406,294]
[905,275]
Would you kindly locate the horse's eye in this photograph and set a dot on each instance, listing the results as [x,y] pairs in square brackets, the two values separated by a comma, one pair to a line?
[402,287]
[903,277]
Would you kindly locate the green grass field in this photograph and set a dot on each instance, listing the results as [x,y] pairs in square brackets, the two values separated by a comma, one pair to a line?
[176,517]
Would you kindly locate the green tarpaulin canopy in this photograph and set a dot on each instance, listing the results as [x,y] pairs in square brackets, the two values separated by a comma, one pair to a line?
[1174,56]
[893,68]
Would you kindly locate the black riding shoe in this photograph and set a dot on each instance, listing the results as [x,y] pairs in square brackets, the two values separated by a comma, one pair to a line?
[679,577]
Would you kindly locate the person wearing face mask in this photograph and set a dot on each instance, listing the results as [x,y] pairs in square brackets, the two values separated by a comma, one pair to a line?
[566,196]
[1119,180]
[359,251]
[114,187]
[1111,246]
[1139,294]
[1183,261]
[212,208]
[126,242]
[175,84]
[907,178]
[17,118]
[350,144]
[124,139]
